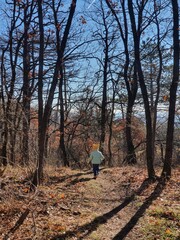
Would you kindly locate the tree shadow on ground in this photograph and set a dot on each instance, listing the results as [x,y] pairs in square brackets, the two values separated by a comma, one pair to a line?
[82,179]
[88,228]
[57,179]
[132,222]
[78,180]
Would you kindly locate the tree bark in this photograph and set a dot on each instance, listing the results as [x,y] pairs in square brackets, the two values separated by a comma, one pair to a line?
[44,116]
[149,134]
[26,91]
[60,59]
[41,124]
[166,172]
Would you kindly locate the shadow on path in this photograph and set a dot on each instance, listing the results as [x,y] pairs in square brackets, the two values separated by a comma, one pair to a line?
[88,228]
[129,226]
[64,178]
[78,180]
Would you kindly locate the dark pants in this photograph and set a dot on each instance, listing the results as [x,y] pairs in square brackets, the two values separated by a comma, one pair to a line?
[95,169]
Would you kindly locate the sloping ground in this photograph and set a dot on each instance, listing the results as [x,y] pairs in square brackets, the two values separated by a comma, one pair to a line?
[119,204]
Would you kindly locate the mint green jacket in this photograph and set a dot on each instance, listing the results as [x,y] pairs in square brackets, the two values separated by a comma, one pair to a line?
[96,157]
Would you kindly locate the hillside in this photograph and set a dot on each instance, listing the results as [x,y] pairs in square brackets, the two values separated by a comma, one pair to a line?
[119,204]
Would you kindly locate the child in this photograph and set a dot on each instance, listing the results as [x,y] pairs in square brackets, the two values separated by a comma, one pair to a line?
[96,158]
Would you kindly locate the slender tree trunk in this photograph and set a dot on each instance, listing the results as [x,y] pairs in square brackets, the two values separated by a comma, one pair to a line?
[41,128]
[131,87]
[5,127]
[62,148]
[154,117]
[104,104]
[131,155]
[43,116]
[173,90]
[149,134]
[105,76]
[12,134]
[110,163]
[4,146]
[62,46]
[8,114]
[26,93]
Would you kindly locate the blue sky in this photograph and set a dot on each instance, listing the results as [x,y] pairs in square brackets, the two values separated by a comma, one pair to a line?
[2,21]
[82,5]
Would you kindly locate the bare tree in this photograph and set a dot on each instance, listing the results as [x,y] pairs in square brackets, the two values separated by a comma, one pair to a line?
[130,81]
[137,30]
[9,65]
[44,115]
[28,9]
[173,90]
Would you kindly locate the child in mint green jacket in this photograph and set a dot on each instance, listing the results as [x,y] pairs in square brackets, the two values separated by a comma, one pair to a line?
[96,158]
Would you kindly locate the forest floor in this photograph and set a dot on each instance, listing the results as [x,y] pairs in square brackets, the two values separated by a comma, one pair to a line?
[70,205]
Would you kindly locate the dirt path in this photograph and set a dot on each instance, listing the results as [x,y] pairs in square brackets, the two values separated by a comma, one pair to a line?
[106,208]
[72,205]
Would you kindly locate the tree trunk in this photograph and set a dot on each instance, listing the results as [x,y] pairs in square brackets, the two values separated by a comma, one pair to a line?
[43,117]
[4,147]
[61,49]
[110,163]
[149,135]
[41,129]
[131,156]
[131,85]
[4,127]
[62,148]
[26,92]
[173,90]
[105,76]
[132,91]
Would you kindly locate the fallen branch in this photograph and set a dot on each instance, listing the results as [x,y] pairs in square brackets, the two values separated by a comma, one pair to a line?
[17,224]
